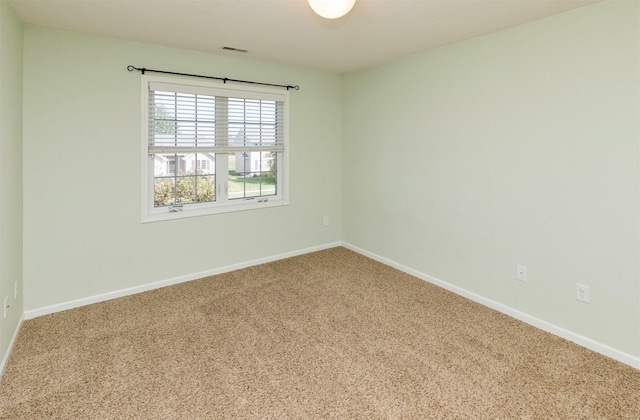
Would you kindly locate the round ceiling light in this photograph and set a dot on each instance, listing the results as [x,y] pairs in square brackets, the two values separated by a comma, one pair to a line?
[331,9]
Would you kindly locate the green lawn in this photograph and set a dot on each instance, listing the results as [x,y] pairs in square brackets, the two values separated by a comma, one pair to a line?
[241,186]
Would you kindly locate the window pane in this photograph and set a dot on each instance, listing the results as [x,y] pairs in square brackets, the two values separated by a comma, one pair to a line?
[251,185]
[164,192]
[181,119]
[206,188]
[164,165]
[185,189]
[252,175]
[252,121]
[237,162]
[203,163]
[268,162]
[183,178]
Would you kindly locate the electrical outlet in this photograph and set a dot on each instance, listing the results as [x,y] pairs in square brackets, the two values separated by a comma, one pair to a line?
[325,221]
[521,272]
[582,293]
[5,306]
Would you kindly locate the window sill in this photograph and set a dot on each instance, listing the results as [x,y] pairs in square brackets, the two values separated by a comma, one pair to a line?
[165,214]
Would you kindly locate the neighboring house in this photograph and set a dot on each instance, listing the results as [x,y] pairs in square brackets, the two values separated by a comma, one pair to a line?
[165,164]
[251,162]
[201,162]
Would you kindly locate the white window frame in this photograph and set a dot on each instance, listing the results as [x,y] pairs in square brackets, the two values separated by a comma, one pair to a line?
[154,214]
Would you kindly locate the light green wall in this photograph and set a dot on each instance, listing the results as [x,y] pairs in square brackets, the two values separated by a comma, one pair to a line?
[83,235]
[519,147]
[10,172]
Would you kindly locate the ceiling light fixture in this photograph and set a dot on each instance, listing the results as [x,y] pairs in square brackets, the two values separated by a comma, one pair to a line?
[331,9]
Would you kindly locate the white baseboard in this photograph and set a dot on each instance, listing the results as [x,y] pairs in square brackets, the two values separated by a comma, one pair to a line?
[12,343]
[34,313]
[536,322]
[531,320]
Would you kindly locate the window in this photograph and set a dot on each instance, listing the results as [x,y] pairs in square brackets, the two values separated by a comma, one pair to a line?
[202,164]
[211,148]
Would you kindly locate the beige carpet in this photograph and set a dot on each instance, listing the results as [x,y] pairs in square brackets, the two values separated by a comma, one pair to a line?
[330,334]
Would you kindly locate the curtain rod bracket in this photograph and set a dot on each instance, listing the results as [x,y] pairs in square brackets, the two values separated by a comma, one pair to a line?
[224,79]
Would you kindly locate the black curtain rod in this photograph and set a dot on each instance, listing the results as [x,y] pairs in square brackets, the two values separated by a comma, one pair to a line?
[224,79]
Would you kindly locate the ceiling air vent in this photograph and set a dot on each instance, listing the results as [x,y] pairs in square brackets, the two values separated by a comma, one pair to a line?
[224,47]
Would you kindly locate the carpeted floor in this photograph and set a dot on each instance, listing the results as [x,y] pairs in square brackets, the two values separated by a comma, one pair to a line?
[330,334]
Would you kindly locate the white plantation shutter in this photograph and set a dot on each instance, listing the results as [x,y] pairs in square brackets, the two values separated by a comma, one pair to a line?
[188,119]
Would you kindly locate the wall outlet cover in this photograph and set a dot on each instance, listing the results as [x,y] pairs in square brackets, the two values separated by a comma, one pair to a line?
[582,293]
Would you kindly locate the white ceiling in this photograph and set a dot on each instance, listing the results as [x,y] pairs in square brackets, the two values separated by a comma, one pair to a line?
[287,31]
